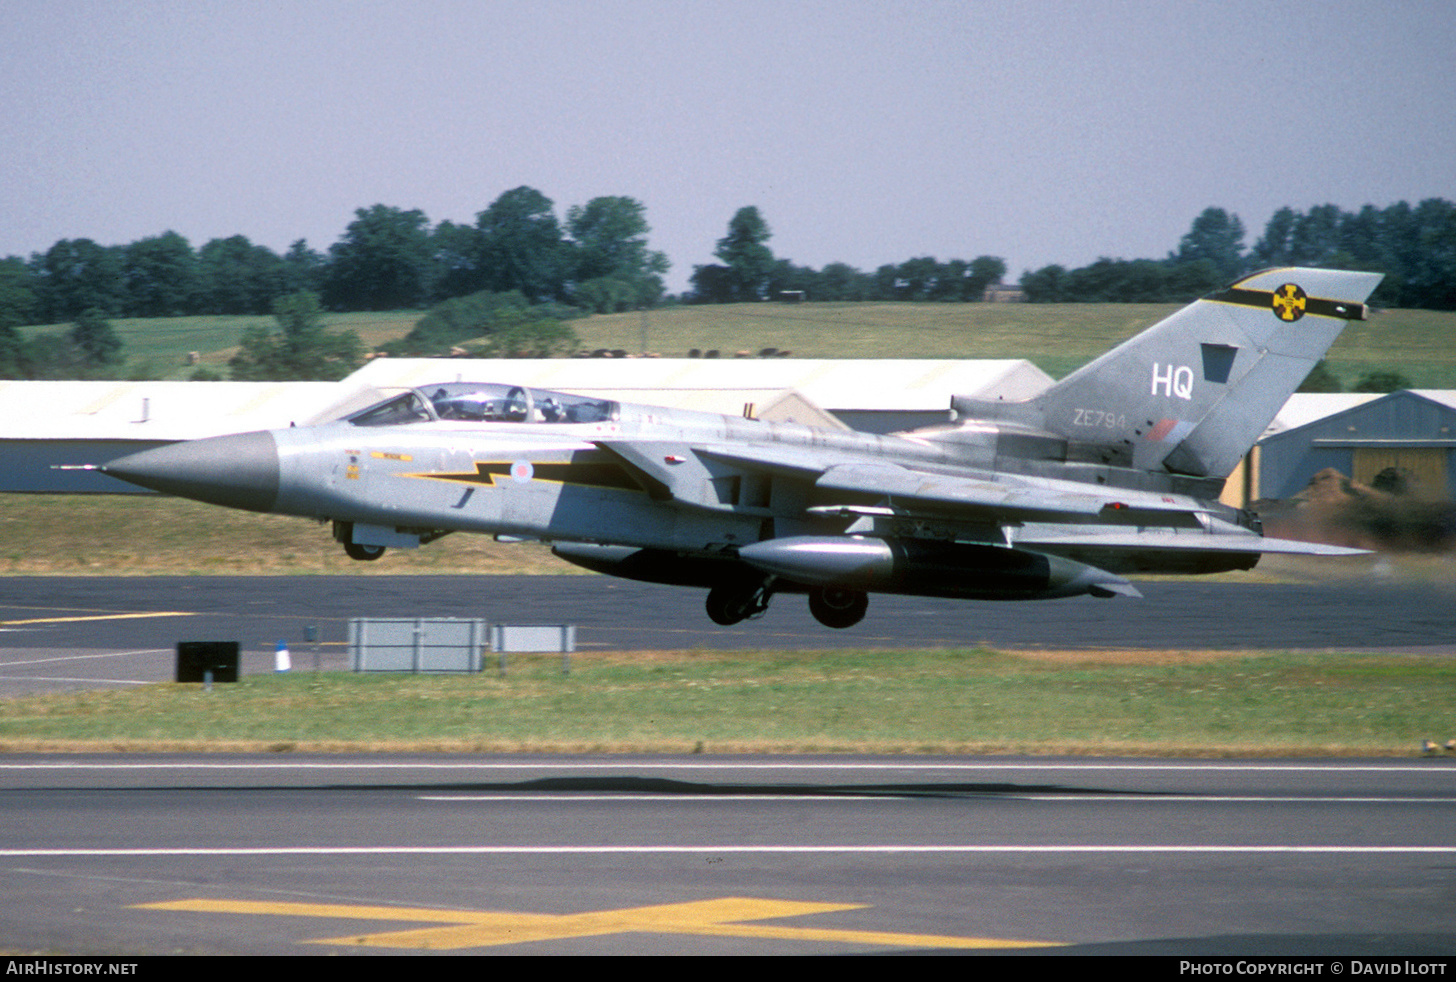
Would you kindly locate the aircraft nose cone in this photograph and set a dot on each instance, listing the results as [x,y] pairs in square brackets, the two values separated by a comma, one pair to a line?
[238,471]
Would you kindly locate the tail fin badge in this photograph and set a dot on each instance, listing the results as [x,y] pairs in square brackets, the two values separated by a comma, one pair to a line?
[1289,302]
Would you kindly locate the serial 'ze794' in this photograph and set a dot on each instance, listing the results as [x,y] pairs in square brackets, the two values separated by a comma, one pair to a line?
[1114,470]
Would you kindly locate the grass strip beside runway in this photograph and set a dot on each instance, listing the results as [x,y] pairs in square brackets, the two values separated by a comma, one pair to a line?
[157,535]
[946,701]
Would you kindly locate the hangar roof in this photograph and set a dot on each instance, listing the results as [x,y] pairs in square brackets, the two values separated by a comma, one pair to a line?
[1306,408]
[154,410]
[778,388]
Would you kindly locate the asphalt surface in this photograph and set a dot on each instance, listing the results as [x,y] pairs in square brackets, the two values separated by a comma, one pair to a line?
[58,632]
[80,632]
[703,855]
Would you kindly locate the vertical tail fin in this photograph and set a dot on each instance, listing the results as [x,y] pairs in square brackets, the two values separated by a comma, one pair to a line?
[1193,392]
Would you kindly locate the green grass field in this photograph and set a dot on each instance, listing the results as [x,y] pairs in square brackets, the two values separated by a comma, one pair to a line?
[941,701]
[1056,337]
[158,347]
[156,535]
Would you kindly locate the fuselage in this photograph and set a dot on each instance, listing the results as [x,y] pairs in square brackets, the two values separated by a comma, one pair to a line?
[649,477]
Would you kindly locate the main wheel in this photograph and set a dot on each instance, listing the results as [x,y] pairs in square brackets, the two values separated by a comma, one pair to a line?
[724,608]
[835,606]
[730,604]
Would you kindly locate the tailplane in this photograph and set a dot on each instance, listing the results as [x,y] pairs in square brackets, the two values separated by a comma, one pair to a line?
[1193,392]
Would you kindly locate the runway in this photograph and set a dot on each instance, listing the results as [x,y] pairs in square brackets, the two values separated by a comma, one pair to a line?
[699,855]
[66,632]
[301,854]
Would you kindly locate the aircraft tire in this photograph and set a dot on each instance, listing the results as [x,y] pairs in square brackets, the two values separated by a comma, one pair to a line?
[838,607]
[363,553]
[725,606]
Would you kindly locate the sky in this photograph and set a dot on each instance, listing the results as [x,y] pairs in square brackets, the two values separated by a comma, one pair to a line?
[864,131]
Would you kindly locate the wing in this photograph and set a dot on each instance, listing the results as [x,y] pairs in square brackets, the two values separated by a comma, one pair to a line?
[919,494]
[869,486]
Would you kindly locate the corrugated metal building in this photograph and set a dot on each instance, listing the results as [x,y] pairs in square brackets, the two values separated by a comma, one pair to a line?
[1360,435]
[69,423]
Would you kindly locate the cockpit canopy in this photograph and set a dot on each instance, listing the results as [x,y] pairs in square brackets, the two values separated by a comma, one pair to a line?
[485,402]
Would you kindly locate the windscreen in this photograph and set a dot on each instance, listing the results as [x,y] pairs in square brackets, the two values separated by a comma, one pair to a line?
[409,407]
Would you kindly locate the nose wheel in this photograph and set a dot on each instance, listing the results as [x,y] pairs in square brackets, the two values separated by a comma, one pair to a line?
[344,535]
[835,606]
[354,550]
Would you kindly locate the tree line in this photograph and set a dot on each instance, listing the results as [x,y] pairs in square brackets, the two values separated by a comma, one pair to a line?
[750,271]
[1415,247]
[519,270]
[598,259]
[387,259]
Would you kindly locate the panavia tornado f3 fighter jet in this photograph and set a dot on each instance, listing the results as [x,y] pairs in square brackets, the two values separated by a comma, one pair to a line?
[1114,470]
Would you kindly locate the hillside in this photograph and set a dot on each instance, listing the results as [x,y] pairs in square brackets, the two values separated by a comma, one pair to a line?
[1056,337]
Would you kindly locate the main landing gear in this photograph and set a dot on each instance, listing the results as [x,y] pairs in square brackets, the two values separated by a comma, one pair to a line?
[730,604]
[835,606]
[831,606]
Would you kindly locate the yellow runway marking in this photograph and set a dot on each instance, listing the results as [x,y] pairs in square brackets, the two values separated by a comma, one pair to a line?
[724,917]
[98,617]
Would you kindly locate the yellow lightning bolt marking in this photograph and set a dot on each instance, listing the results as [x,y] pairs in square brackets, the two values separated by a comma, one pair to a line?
[724,917]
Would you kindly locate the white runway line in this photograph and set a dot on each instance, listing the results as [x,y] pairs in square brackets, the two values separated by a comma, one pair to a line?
[629,850]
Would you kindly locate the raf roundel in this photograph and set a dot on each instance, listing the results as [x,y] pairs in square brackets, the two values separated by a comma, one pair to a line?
[522,471]
[1289,302]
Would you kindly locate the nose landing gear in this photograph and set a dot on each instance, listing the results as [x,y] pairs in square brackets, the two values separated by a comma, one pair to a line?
[355,550]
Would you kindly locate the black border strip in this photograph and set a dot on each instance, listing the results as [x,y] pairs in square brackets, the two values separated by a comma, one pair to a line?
[1317,306]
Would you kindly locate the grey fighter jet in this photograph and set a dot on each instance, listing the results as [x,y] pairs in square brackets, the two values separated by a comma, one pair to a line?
[1114,470]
